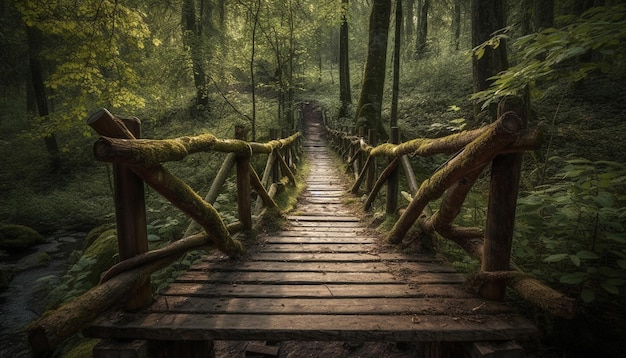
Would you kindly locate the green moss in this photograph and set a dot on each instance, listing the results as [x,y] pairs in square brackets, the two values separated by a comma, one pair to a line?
[43,258]
[104,250]
[18,237]
[96,232]
[80,348]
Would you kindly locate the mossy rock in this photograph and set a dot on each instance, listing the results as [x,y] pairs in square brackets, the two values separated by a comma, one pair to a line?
[79,347]
[104,250]
[18,237]
[96,232]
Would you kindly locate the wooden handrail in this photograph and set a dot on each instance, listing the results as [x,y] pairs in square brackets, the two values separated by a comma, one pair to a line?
[142,159]
[498,144]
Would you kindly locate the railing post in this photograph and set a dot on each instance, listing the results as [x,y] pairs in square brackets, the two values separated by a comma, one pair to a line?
[275,168]
[371,173]
[130,206]
[392,182]
[503,190]
[244,204]
[362,155]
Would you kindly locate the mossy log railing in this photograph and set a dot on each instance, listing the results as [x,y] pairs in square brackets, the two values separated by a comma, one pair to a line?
[500,145]
[137,161]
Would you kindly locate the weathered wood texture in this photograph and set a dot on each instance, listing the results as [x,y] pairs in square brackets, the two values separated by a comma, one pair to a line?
[325,278]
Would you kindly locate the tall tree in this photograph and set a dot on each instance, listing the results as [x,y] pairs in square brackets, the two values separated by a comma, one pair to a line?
[544,14]
[487,19]
[192,36]
[409,23]
[456,25]
[39,89]
[422,28]
[393,119]
[371,98]
[344,62]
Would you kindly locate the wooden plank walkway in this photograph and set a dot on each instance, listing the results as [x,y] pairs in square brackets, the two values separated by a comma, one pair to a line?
[324,278]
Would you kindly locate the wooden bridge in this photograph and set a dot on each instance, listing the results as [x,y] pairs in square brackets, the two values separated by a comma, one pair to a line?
[325,277]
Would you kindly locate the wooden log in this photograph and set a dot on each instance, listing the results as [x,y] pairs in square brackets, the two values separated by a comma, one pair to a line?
[470,239]
[129,198]
[357,183]
[503,190]
[244,205]
[409,174]
[475,154]
[187,200]
[150,151]
[266,200]
[384,176]
[285,169]
[371,173]
[214,190]
[392,182]
[56,326]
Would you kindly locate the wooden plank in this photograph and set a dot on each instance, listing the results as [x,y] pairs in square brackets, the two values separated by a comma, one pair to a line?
[398,328]
[352,257]
[313,223]
[330,305]
[352,239]
[327,219]
[305,278]
[327,248]
[290,266]
[317,290]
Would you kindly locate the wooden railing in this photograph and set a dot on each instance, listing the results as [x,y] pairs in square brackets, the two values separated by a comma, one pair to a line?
[136,161]
[500,145]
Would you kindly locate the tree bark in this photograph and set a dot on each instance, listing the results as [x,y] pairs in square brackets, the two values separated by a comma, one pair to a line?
[370,102]
[487,18]
[39,89]
[344,61]
[192,36]
[456,24]
[422,29]
[393,119]
[544,14]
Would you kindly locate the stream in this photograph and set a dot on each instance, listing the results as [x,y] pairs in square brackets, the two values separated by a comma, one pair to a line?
[25,299]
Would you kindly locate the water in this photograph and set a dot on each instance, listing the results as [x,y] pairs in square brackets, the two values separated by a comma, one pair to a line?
[25,299]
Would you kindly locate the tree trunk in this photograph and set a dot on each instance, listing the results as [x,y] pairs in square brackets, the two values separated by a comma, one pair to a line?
[525,11]
[192,35]
[422,29]
[344,62]
[487,18]
[255,23]
[39,89]
[544,14]
[370,101]
[409,24]
[456,24]
[393,119]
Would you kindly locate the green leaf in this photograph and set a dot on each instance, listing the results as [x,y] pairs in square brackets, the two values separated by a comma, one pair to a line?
[575,260]
[587,295]
[610,288]
[587,255]
[152,237]
[573,278]
[555,258]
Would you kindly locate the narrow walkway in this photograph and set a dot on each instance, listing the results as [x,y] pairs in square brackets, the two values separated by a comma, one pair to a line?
[324,278]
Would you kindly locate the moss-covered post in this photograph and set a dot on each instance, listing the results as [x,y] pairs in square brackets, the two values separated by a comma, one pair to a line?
[503,190]
[274,134]
[129,197]
[371,173]
[244,204]
[362,155]
[392,182]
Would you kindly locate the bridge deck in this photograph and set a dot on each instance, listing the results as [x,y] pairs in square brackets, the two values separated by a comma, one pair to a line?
[324,278]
